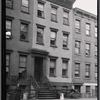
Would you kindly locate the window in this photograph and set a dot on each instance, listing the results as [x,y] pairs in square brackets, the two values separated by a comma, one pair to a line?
[53,38]
[96,31]
[87,47]
[77,69]
[8,29]
[40,12]
[87,89]
[7,64]
[64,68]
[22,64]
[9,3]
[65,40]
[25,6]
[52,67]
[95,50]
[87,71]
[95,71]
[54,14]
[40,32]
[77,47]
[24,32]
[87,29]
[77,25]
[65,18]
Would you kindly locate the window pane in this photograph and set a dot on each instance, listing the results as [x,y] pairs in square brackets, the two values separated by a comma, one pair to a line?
[77,24]
[40,31]
[24,27]
[52,63]
[21,70]
[25,3]
[9,3]
[65,14]
[87,26]
[53,34]
[40,7]
[54,11]
[88,46]
[8,24]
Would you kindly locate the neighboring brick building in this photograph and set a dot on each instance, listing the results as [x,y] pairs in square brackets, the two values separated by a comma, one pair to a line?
[39,40]
[84,51]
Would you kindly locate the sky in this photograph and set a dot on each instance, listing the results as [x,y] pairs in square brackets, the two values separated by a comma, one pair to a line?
[87,5]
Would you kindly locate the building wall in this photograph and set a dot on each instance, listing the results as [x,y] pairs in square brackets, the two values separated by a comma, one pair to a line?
[59,51]
[84,39]
[15,44]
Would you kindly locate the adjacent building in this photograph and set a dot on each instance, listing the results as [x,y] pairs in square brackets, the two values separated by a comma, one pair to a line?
[84,75]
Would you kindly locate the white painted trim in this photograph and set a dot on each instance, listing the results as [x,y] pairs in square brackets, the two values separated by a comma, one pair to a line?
[90,84]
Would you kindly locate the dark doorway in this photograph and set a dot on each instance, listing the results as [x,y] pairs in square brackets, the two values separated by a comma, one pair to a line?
[77,87]
[38,70]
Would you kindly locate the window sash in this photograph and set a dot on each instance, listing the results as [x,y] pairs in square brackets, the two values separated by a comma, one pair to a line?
[25,3]
[54,11]
[53,17]
[52,63]
[95,31]
[65,65]
[23,62]
[64,72]
[65,20]
[87,89]
[66,15]
[77,24]
[24,27]
[40,7]
[9,3]
[87,26]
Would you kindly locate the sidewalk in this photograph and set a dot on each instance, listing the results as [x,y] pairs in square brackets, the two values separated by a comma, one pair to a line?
[71,99]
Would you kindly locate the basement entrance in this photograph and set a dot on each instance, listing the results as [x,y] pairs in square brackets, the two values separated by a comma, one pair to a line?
[38,70]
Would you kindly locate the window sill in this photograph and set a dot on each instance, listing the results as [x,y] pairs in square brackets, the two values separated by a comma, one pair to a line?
[77,77]
[78,32]
[40,43]
[64,76]
[87,56]
[65,48]
[52,75]
[10,8]
[54,21]
[65,24]
[88,35]
[87,78]
[53,46]
[24,40]
[25,12]
[78,54]
[9,37]
[41,17]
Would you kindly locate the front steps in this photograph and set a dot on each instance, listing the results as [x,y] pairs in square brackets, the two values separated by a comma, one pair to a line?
[45,92]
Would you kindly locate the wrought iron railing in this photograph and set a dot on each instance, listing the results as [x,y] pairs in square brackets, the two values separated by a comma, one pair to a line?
[35,85]
[54,91]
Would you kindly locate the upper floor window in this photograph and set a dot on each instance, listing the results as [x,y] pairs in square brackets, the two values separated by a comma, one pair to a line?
[8,28]
[24,32]
[9,3]
[77,69]
[87,47]
[22,64]
[40,11]
[88,29]
[40,32]
[65,40]
[95,71]
[64,68]
[25,6]
[7,64]
[53,38]
[96,31]
[77,25]
[87,71]
[66,18]
[54,14]
[52,67]
[77,47]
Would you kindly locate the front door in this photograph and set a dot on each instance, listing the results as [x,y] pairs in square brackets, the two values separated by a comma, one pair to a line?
[38,71]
